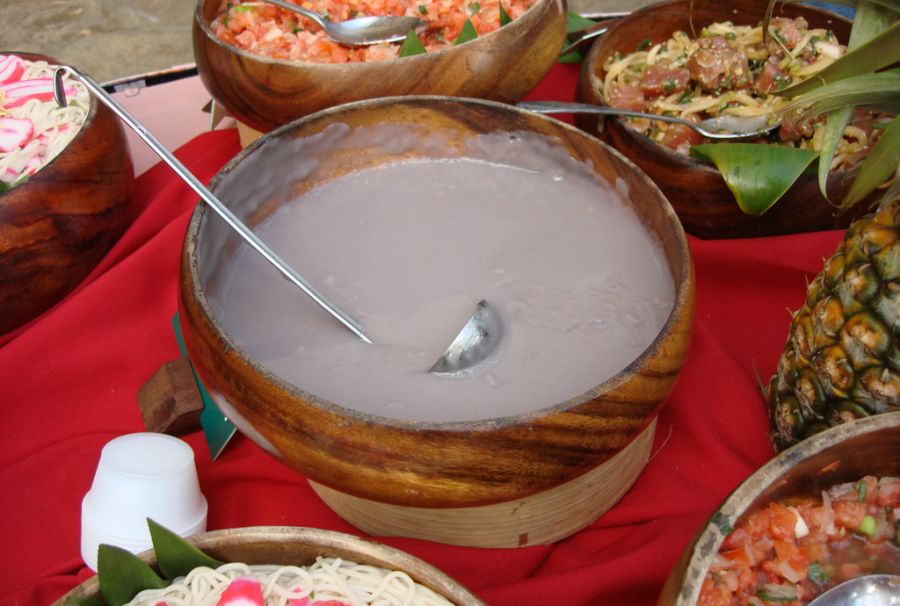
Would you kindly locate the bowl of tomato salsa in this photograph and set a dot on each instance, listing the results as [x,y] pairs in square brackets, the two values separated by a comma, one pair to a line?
[819,513]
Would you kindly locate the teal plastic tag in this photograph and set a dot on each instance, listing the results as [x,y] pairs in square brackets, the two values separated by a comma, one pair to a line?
[217,429]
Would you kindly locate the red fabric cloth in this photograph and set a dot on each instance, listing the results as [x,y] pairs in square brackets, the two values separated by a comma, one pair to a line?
[70,380]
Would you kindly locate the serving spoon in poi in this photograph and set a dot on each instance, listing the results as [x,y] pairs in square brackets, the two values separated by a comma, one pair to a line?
[360,31]
[867,590]
[475,342]
[722,128]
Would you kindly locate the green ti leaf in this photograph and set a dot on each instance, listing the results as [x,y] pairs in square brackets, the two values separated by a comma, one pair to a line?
[757,174]
[571,57]
[93,600]
[466,33]
[123,575]
[576,23]
[412,45]
[175,556]
[882,162]
[504,16]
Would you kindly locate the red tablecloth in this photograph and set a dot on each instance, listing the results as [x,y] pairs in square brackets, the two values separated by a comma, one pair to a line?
[69,383]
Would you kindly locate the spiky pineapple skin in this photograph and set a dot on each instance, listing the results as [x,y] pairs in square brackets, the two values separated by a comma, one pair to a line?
[842,357]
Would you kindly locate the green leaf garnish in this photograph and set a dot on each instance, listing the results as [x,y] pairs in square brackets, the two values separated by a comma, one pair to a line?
[175,556]
[572,57]
[757,174]
[504,16]
[575,22]
[412,45]
[123,575]
[880,91]
[466,34]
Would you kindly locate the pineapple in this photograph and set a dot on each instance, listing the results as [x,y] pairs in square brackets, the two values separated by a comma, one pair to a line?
[842,357]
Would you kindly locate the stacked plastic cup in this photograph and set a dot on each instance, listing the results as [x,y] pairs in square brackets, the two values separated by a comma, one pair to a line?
[140,476]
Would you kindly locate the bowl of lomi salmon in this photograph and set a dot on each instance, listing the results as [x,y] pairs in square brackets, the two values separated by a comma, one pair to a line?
[267,66]
[820,513]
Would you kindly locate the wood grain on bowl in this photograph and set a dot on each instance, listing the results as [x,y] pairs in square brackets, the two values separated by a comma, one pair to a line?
[264,93]
[869,446]
[289,545]
[442,465]
[56,226]
[696,190]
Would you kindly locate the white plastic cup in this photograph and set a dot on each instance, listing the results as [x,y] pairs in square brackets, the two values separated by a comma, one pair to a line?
[140,476]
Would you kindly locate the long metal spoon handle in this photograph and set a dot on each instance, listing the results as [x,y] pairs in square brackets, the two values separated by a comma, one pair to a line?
[561,107]
[205,194]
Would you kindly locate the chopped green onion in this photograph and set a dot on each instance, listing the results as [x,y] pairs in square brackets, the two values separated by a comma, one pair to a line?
[860,492]
[423,10]
[646,43]
[777,593]
[474,8]
[867,526]
[730,36]
[817,575]
[685,96]
[244,8]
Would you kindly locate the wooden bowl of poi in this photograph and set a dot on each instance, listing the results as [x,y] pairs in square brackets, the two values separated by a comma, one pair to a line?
[846,453]
[696,189]
[263,93]
[517,480]
[57,225]
[295,546]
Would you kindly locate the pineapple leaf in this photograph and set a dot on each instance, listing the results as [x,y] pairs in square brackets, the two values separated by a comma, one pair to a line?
[879,165]
[874,54]
[893,192]
[879,91]
[871,19]
[757,174]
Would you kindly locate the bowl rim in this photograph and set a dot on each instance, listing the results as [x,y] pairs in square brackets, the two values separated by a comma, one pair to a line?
[592,65]
[682,302]
[511,28]
[417,568]
[717,527]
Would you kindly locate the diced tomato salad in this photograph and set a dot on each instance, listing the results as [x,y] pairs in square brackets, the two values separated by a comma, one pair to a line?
[793,550]
[269,30]
[33,129]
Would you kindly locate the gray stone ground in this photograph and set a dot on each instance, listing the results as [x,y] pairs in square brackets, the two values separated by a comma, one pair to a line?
[107,39]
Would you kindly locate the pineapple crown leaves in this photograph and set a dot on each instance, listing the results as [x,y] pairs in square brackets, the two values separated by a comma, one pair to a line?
[854,80]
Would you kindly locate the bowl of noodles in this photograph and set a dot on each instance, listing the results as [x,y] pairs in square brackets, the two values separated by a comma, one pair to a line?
[697,60]
[266,67]
[821,512]
[66,180]
[306,565]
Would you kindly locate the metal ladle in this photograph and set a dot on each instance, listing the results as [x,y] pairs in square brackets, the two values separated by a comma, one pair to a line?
[360,31]
[722,128]
[478,338]
[867,590]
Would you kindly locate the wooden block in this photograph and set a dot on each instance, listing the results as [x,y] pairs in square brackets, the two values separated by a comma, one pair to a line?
[170,401]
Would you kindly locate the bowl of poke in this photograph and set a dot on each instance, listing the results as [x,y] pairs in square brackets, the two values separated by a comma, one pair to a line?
[819,513]
[266,66]
[66,180]
[700,60]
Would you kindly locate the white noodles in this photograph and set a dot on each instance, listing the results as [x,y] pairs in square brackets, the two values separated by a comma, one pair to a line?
[326,579]
[54,126]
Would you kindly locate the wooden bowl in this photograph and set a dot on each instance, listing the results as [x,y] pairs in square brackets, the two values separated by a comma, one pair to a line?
[703,202]
[287,545]
[264,93]
[508,481]
[56,226]
[845,453]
